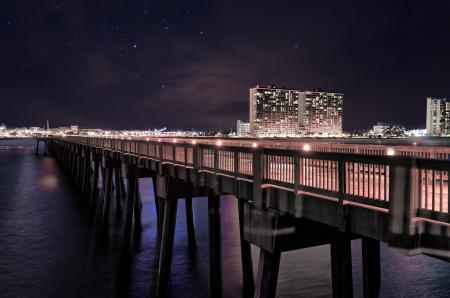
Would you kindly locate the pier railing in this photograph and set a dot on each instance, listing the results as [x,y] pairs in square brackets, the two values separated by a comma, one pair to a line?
[359,178]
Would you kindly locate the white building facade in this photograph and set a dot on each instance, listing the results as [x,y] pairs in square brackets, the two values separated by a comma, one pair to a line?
[286,112]
[273,111]
[438,116]
[321,112]
[242,128]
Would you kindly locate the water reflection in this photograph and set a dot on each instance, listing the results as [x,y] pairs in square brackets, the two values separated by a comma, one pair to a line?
[48,182]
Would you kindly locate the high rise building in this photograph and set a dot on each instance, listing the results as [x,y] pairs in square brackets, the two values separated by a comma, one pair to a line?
[438,116]
[242,128]
[273,111]
[320,112]
[287,112]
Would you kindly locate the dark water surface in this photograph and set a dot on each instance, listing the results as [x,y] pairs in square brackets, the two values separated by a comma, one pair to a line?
[49,247]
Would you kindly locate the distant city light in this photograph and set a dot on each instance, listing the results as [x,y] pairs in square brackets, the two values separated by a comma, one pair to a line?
[390,151]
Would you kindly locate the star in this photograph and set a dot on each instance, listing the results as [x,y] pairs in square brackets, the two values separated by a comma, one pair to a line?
[135,46]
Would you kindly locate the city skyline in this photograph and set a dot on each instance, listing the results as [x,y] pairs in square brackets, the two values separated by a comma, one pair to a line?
[122,65]
[308,106]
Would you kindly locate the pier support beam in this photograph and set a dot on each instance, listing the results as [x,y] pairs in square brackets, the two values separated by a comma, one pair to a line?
[190,225]
[94,188]
[166,250]
[37,147]
[107,193]
[246,254]
[341,267]
[159,206]
[87,175]
[266,280]
[371,267]
[118,188]
[132,184]
[169,191]
[215,260]
[137,207]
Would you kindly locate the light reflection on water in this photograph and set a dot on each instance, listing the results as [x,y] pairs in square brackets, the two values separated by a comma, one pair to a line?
[49,248]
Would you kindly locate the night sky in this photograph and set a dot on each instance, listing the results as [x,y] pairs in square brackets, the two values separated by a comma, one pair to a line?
[189,64]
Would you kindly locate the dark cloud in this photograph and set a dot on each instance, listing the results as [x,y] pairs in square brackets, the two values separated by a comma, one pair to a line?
[189,64]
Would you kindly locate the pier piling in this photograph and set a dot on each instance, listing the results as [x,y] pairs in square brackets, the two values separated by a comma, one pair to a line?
[341,267]
[215,261]
[371,267]
[267,277]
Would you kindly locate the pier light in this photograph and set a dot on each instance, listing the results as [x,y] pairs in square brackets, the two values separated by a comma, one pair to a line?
[194,142]
[159,140]
[306,147]
[147,139]
[219,143]
[254,145]
[174,141]
[390,151]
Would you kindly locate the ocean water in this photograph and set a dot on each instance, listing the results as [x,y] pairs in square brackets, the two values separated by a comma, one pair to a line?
[50,246]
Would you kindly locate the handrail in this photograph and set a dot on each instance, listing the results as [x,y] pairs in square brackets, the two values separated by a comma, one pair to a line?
[365,178]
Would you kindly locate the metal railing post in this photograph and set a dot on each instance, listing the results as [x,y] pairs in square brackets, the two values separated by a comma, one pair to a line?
[342,209]
[258,174]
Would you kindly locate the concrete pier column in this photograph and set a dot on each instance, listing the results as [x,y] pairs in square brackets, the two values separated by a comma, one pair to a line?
[246,254]
[103,171]
[87,175]
[169,191]
[82,172]
[107,193]
[137,207]
[190,225]
[66,159]
[132,182]
[94,188]
[341,267]
[80,166]
[118,188]
[158,206]
[215,261]
[37,147]
[72,167]
[267,277]
[122,185]
[371,267]
[166,250]
[77,170]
